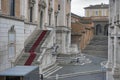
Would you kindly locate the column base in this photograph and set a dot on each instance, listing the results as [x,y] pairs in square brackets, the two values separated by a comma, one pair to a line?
[109,66]
[116,73]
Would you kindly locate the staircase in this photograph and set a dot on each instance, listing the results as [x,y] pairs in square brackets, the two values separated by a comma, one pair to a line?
[32,49]
[97,47]
[50,70]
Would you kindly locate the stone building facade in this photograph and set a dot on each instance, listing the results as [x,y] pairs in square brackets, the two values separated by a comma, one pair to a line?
[99,14]
[23,20]
[113,65]
[97,10]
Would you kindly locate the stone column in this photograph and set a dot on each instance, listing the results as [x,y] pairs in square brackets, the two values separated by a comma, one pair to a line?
[22,6]
[53,15]
[36,11]
[62,14]
[116,69]
[26,9]
[0,6]
[110,53]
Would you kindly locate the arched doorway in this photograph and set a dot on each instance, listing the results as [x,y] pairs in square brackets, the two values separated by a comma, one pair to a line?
[106,30]
[98,29]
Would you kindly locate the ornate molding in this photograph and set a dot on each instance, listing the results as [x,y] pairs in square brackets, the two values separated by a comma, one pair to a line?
[56,13]
[50,10]
[68,14]
[31,3]
[42,4]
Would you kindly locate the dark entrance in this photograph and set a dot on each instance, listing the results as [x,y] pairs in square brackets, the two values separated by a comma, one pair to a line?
[98,29]
[106,30]
[12,78]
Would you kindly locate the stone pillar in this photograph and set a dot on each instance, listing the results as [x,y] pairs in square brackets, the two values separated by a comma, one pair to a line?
[26,9]
[62,13]
[46,21]
[22,6]
[0,6]
[116,69]
[53,14]
[36,11]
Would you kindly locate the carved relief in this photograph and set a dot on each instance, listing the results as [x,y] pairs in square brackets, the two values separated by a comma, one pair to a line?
[31,3]
[42,4]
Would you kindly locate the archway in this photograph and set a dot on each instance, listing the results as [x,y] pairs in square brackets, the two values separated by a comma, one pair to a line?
[98,29]
[106,30]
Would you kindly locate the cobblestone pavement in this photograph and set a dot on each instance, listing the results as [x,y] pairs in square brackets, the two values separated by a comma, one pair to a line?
[80,72]
[95,76]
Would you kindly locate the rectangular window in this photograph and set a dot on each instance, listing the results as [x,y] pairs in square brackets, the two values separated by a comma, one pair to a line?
[12,37]
[100,13]
[87,13]
[96,13]
[49,19]
[12,7]
[59,7]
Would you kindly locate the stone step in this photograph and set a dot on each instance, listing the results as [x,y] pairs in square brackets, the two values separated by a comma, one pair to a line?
[96,47]
[100,37]
[24,57]
[51,70]
[95,52]
[102,55]
[98,42]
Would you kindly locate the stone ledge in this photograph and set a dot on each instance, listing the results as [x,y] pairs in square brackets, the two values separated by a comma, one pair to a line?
[11,17]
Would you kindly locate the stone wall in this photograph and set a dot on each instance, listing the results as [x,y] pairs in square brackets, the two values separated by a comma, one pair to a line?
[5,25]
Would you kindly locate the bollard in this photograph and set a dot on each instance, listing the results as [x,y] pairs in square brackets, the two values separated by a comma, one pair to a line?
[57,76]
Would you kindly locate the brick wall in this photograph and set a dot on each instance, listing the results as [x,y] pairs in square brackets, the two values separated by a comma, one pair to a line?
[81,34]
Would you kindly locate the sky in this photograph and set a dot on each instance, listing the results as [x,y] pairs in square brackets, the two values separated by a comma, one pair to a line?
[78,5]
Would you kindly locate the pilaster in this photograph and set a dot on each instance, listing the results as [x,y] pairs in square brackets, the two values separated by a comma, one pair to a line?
[0,7]
[26,9]
[62,13]
[36,11]
[22,6]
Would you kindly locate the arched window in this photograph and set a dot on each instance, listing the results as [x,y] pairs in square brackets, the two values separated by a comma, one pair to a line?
[11,42]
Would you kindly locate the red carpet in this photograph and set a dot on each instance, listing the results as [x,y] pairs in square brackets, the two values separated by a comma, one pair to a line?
[35,45]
